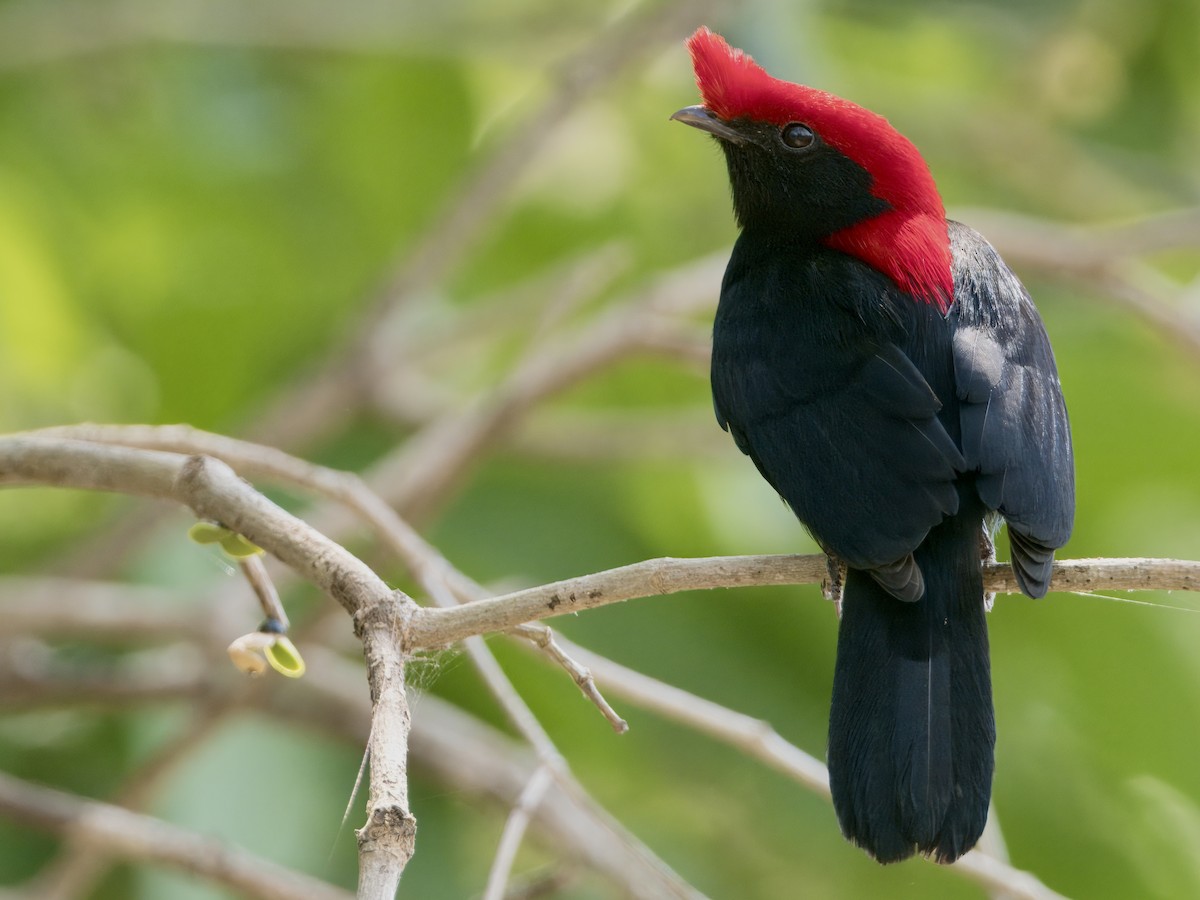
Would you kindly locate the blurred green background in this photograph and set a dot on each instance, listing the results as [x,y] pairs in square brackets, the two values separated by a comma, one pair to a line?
[200,203]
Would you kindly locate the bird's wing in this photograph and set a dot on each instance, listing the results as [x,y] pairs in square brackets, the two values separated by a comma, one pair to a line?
[861,457]
[1014,422]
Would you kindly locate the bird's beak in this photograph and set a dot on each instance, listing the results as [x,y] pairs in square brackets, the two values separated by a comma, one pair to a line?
[705,120]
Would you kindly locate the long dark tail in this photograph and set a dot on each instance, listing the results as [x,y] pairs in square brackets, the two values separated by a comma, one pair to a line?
[911,728]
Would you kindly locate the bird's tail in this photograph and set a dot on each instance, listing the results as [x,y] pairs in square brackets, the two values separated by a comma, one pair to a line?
[911,728]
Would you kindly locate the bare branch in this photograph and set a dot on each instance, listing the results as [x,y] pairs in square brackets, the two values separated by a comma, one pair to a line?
[210,488]
[471,210]
[1106,259]
[439,627]
[758,740]
[264,589]
[541,636]
[456,748]
[102,610]
[1057,246]
[1109,574]
[474,757]
[514,831]
[131,835]
[425,470]
[445,585]
[79,863]
[753,736]
[644,579]
[213,491]
[386,842]
[1003,879]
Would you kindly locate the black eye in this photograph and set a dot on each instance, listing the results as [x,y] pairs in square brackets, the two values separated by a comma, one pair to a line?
[798,136]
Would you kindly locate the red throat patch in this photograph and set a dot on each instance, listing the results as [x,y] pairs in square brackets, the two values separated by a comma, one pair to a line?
[909,242]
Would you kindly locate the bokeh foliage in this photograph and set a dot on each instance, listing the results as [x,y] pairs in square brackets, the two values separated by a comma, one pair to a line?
[189,220]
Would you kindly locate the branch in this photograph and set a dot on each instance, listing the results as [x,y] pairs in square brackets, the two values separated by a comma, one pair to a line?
[31,675]
[1057,246]
[135,836]
[210,488]
[427,468]
[388,799]
[80,865]
[386,842]
[655,577]
[456,748]
[514,831]
[443,583]
[759,740]
[754,737]
[101,610]
[213,491]
[476,758]
[470,212]
[1105,259]
[435,627]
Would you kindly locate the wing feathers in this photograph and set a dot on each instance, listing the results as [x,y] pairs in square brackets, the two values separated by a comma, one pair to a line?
[1015,431]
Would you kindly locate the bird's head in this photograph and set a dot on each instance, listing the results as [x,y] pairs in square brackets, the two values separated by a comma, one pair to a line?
[810,166]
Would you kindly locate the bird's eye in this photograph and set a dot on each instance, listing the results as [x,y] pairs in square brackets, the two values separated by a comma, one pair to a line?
[798,136]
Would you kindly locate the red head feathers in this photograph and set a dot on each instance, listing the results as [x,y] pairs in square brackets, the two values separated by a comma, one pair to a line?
[908,242]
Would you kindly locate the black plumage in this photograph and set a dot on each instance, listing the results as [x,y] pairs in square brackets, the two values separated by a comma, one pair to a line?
[894,423]
[890,429]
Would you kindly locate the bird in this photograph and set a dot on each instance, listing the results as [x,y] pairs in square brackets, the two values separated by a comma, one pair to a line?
[891,379]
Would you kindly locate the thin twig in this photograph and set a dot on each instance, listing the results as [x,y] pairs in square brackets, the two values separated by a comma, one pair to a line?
[264,589]
[514,832]
[755,737]
[543,637]
[210,488]
[991,843]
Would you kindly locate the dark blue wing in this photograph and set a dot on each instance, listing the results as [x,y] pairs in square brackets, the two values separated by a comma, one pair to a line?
[1014,421]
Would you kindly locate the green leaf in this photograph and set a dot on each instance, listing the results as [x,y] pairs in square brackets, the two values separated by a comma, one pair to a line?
[285,658]
[238,547]
[231,542]
[208,533]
